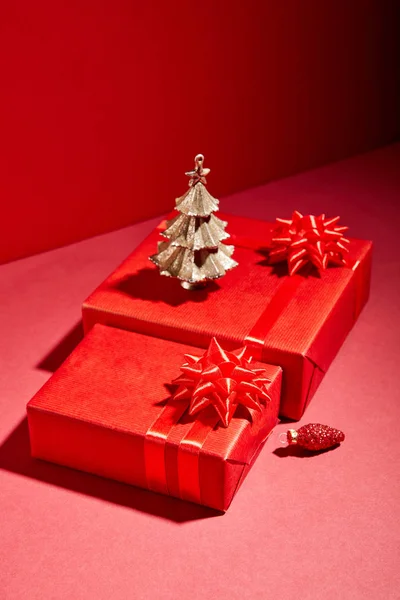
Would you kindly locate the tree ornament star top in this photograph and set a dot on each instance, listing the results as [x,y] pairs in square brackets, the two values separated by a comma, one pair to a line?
[223,380]
[308,239]
[199,173]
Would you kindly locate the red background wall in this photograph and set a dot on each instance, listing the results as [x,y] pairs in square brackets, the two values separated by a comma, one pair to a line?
[104,104]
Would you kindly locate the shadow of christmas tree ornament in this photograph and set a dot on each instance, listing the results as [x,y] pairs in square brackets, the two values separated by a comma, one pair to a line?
[193,251]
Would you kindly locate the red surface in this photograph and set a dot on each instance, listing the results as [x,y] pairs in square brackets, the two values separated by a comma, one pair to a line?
[106,411]
[104,106]
[298,323]
[324,526]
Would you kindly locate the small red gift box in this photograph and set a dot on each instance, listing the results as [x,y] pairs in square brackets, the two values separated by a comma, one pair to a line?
[108,410]
[298,322]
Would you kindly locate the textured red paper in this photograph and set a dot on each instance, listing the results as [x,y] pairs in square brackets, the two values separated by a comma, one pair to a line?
[99,411]
[306,318]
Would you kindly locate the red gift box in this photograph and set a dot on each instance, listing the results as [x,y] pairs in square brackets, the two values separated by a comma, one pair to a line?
[298,322]
[108,410]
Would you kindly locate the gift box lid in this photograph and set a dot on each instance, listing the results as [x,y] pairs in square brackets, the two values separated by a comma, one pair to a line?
[100,410]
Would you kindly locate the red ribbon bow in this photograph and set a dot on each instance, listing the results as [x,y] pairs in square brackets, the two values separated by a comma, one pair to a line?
[308,239]
[223,380]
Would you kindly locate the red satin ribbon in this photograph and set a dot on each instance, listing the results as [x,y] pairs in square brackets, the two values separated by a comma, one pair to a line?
[154,446]
[258,335]
[161,466]
[188,458]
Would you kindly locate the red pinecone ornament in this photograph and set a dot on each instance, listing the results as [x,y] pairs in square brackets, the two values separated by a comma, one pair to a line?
[308,239]
[315,436]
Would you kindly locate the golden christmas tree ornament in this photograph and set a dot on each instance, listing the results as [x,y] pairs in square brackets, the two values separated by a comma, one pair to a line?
[193,251]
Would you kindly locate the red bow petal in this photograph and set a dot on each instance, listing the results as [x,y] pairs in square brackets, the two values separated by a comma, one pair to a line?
[193,371]
[184,380]
[191,359]
[243,374]
[250,402]
[211,373]
[183,393]
[198,404]
[225,386]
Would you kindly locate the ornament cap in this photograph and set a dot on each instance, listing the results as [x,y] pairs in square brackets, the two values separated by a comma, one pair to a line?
[292,436]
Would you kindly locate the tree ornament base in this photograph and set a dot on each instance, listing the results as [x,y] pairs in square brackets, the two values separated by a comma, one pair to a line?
[193,286]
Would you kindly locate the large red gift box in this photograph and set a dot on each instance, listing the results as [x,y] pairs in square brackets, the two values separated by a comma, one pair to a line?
[298,322]
[108,410]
